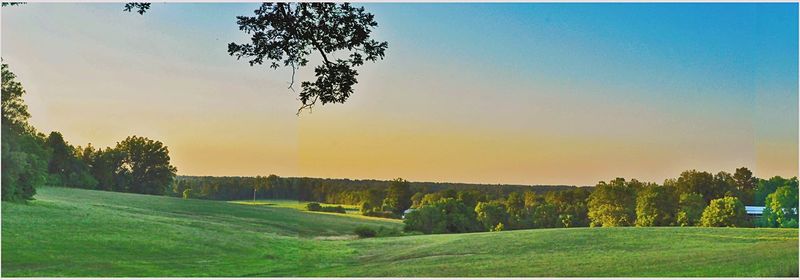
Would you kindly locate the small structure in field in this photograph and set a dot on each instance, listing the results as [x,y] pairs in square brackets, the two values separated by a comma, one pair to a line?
[754,212]
[408,211]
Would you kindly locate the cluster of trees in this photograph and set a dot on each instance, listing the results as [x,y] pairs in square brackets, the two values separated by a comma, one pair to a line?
[136,165]
[693,199]
[470,211]
[395,202]
[31,159]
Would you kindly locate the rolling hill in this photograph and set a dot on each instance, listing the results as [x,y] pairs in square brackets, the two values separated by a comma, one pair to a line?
[74,232]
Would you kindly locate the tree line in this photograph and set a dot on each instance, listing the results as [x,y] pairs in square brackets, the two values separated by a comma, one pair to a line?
[693,199]
[335,191]
[31,159]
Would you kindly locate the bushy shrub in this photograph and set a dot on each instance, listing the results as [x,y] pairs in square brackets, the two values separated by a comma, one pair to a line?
[333,209]
[381,214]
[566,220]
[499,227]
[724,212]
[385,231]
[365,232]
[313,206]
[427,219]
[24,163]
[543,215]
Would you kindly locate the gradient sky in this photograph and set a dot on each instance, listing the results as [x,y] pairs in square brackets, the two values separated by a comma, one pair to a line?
[493,93]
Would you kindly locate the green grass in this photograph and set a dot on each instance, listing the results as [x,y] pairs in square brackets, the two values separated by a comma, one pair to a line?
[352,210]
[71,232]
[293,204]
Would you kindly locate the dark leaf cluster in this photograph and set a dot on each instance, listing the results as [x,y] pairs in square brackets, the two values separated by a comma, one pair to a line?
[286,34]
[138,7]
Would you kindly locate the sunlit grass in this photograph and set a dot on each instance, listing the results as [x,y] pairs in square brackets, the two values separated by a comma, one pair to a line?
[352,210]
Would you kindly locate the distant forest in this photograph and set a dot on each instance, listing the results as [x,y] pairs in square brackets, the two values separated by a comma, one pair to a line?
[339,191]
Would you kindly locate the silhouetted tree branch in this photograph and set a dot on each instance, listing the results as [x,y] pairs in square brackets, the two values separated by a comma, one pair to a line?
[141,7]
[287,33]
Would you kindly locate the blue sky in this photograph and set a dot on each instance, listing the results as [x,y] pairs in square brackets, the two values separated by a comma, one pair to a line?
[509,93]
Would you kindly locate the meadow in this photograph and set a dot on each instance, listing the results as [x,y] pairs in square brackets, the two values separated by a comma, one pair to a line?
[75,232]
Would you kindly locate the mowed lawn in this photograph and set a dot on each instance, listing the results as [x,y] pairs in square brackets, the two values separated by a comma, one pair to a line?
[72,232]
[600,252]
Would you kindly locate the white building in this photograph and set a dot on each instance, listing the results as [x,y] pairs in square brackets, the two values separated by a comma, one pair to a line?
[408,211]
[754,213]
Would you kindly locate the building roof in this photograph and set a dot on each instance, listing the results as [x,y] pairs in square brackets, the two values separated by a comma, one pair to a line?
[754,210]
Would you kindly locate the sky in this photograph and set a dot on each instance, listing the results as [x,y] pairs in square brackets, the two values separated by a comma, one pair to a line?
[525,93]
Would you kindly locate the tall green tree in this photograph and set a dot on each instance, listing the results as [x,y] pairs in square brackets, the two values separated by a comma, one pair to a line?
[571,205]
[691,206]
[781,207]
[724,212]
[766,187]
[15,111]
[471,198]
[745,184]
[515,205]
[416,199]
[398,196]
[656,206]
[543,215]
[724,185]
[65,167]
[693,181]
[108,167]
[24,158]
[613,203]
[426,219]
[148,164]
[490,214]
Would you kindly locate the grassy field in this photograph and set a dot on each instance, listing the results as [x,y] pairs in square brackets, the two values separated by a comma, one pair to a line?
[71,232]
[352,210]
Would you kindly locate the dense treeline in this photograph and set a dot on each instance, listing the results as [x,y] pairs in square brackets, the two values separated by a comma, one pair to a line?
[443,207]
[31,159]
[693,199]
[339,191]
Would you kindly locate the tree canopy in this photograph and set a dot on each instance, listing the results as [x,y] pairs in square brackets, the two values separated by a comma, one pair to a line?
[613,203]
[138,7]
[15,112]
[724,212]
[286,34]
[24,158]
[781,207]
[148,164]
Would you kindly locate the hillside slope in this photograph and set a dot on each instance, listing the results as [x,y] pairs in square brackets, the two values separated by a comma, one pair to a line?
[598,252]
[75,232]
[72,232]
